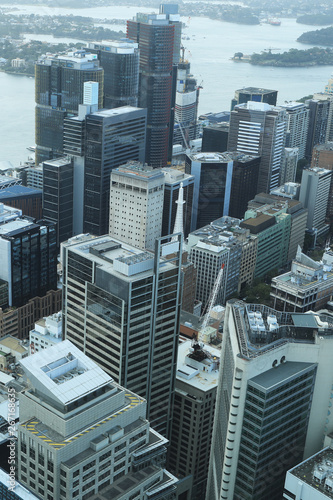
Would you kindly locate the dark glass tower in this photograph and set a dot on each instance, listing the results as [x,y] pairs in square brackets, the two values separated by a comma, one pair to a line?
[318,120]
[120,61]
[58,196]
[113,137]
[156,43]
[58,92]
[254,94]
[29,259]
[212,186]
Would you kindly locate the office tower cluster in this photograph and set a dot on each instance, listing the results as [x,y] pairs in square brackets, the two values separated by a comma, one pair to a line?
[126,407]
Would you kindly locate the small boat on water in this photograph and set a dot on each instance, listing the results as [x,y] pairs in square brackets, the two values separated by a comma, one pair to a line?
[31,148]
[274,22]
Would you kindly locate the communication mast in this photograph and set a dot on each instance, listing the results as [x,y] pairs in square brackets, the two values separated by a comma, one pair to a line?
[212,297]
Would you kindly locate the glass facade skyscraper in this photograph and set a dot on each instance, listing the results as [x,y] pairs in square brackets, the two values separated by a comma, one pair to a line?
[120,61]
[156,44]
[113,137]
[58,187]
[59,91]
[29,258]
[121,307]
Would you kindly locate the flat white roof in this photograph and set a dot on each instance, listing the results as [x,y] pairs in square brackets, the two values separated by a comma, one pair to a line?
[14,225]
[202,380]
[5,379]
[64,373]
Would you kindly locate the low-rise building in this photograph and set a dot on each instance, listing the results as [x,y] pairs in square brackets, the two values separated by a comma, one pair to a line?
[11,352]
[272,227]
[285,199]
[18,321]
[47,332]
[307,287]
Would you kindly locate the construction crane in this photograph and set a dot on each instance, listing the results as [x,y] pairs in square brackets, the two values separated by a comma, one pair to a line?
[212,298]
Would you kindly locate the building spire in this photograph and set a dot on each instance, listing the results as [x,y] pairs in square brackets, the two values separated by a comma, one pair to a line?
[179,225]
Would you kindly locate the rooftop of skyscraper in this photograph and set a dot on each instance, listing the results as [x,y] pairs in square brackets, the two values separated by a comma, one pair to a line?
[104,113]
[223,231]
[139,170]
[260,328]
[317,472]
[307,273]
[174,176]
[123,46]
[198,364]
[211,157]
[255,90]
[114,256]
[64,374]
[80,59]
[8,213]
[16,225]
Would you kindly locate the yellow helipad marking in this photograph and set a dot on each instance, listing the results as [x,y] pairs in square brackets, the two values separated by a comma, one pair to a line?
[30,426]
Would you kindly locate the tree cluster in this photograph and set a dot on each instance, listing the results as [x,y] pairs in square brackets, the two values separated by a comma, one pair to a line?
[294,57]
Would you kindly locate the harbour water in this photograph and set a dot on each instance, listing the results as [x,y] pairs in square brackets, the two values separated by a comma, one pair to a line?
[209,45]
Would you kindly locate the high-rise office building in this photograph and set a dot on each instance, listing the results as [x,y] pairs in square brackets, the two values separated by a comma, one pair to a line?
[255,94]
[186,106]
[273,399]
[289,165]
[271,225]
[193,415]
[58,180]
[297,126]
[121,307]
[215,138]
[90,94]
[222,242]
[26,199]
[12,490]
[259,129]
[212,186]
[83,436]
[172,180]
[59,90]
[136,204]
[319,113]
[112,137]
[322,156]
[120,61]
[29,258]
[155,36]
[245,174]
[223,184]
[327,96]
[314,194]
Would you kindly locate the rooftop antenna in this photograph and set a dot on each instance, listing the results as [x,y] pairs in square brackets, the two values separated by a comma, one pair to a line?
[328,245]
[179,226]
